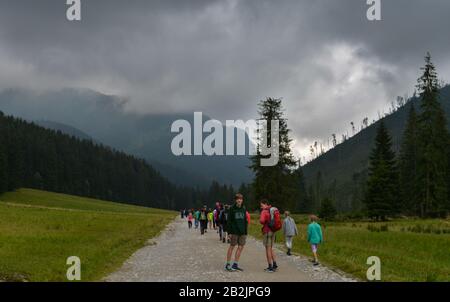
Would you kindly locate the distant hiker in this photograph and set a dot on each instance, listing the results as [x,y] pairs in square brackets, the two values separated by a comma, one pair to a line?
[314,236]
[203,220]
[237,228]
[271,223]
[289,230]
[190,217]
[216,214]
[222,223]
[182,214]
[210,218]
[196,218]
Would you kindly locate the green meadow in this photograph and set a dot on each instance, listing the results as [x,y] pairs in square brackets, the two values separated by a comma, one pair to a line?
[409,250]
[40,230]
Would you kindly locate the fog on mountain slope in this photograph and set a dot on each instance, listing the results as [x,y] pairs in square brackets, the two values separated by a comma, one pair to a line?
[103,118]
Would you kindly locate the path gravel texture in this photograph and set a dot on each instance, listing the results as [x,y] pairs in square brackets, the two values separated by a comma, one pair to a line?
[183,255]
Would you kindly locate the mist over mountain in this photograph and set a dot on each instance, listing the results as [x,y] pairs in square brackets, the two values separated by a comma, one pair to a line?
[103,118]
[66,129]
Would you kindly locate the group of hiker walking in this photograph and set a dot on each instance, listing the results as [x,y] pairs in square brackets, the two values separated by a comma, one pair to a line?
[231,223]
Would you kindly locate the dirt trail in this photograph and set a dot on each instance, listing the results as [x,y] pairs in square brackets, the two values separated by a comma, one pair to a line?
[180,254]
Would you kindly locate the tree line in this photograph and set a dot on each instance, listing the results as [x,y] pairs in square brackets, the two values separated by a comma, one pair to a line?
[414,182]
[35,157]
[417,180]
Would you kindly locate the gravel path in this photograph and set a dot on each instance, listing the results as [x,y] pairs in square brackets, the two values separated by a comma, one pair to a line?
[180,254]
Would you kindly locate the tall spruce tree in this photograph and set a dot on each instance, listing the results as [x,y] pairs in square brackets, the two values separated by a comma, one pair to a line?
[275,183]
[408,161]
[381,195]
[433,144]
[3,166]
[303,201]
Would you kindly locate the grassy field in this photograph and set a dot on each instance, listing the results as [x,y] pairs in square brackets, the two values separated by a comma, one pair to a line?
[39,230]
[410,250]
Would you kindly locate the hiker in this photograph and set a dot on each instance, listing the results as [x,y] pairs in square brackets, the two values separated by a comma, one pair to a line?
[271,223]
[216,214]
[196,218]
[210,218]
[237,228]
[222,223]
[203,220]
[314,237]
[190,217]
[289,231]
[182,214]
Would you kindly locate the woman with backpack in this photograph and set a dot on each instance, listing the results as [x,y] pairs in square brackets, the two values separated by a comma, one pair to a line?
[271,223]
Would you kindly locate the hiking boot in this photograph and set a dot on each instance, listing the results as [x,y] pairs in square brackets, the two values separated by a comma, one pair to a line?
[289,252]
[235,267]
[269,270]
[275,267]
[315,263]
[228,268]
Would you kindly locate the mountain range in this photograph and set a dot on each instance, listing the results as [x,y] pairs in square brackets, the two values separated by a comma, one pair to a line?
[102,118]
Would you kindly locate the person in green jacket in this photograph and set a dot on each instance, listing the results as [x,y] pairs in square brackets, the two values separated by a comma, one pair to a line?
[210,218]
[314,237]
[197,218]
[237,229]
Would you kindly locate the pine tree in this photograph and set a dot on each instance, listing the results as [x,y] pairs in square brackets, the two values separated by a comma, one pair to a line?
[303,201]
[381,194]
[433,144]
[327,210]
[274,182]
[408,160]
[3,167]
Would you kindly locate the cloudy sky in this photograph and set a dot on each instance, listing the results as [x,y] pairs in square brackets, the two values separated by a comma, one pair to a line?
[330,64]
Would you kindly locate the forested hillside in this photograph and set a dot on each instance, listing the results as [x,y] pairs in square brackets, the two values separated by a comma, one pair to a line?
[144,135]
[35,157]
[341,173]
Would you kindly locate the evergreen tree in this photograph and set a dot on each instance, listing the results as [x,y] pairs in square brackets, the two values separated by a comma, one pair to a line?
[275,182]
[3,167]
[303,201]
[433,144]
[408,160]
[381,194]
[327,210]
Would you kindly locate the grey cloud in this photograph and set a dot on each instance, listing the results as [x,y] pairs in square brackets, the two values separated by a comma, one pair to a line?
[323,57]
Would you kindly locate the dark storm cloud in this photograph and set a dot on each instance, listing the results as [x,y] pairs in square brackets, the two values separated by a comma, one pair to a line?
[324,58]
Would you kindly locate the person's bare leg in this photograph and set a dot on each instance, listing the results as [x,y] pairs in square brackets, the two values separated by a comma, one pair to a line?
[316,259]
[230,253]
[269,256]
[272,254]
[238,253]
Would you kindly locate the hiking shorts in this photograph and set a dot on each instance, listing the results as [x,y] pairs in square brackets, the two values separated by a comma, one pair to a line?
[268,239]
[314,248]
[237,240]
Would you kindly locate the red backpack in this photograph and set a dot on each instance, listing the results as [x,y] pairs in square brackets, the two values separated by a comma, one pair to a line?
[275,219]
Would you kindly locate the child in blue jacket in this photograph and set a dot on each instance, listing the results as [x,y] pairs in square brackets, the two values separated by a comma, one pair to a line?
[314,237]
